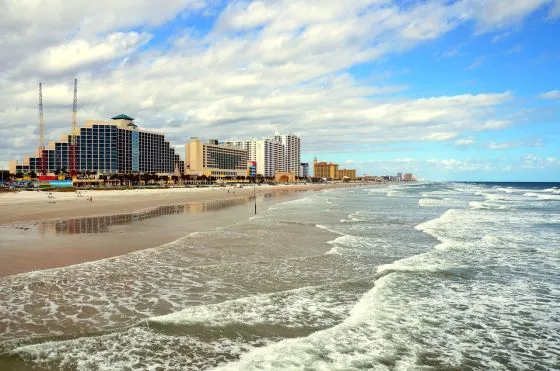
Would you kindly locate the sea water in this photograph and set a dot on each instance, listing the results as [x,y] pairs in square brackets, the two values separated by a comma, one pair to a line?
[401,277]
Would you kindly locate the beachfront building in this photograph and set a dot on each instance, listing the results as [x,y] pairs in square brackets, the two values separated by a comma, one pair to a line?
[117,146]
[331,171]
[304,169]
[291,153]
[268,154]
[408,177]
[324,170]
[347,173]
[214,159]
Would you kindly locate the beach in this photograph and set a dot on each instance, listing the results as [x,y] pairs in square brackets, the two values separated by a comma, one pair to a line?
[397,276]
[27,206]
[44,230]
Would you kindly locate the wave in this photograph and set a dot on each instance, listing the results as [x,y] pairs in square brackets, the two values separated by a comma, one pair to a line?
[358,216]
[422,263]
[329,228]
[136,348]
[346,243]
[552,190]
[438,297]
[170,341]
[326,349]
[486,206]
[436,202]
[314,306]
[543,197]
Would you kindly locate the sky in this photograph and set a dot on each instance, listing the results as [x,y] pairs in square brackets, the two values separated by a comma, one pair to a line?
[465,90]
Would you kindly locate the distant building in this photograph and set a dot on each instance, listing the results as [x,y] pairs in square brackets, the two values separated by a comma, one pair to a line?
[304,169]
[407,177]
[252,169]
[399,177]
[267,153]
[324,170]
[347,173]
[213,159]
[292,153]
[107,147]
[331,171]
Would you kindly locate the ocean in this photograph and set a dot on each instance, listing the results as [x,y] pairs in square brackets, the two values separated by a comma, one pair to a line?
[430,276]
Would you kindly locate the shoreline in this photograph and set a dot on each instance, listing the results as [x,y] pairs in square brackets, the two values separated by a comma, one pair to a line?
[78,233]
[32,206]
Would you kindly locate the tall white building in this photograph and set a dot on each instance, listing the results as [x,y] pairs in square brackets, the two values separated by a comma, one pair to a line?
[292,152]
[280,154]
[267,153]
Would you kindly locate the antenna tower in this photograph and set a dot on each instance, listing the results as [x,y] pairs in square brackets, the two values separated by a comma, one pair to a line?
[73,169]
[42,132]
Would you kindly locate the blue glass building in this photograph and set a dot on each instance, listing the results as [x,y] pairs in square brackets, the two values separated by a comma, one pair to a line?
[109,147]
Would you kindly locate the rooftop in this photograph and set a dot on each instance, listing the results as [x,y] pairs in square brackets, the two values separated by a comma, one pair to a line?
[122,117]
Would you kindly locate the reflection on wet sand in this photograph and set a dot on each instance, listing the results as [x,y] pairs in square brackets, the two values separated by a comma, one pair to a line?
[55,243]
[101,224]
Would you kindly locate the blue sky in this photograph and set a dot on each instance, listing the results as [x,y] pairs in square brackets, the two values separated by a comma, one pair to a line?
[449,90]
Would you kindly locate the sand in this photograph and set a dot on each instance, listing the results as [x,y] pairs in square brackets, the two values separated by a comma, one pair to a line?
[41,230]
[27,206]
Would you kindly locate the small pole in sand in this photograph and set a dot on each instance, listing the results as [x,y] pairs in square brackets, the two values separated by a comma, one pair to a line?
[255,195]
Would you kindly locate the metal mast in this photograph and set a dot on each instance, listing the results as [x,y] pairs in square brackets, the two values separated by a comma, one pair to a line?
[73,169]
[42,132]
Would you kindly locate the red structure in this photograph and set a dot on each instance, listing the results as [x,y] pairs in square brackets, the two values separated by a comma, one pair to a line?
[48,177]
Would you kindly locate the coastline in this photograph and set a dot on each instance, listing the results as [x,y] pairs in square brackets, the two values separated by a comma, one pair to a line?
[40,234]
[30,206]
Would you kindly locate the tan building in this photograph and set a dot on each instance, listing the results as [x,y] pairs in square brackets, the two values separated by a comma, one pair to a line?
[347,173]
[331,171]
[408,177]
[213,159]
[325,170]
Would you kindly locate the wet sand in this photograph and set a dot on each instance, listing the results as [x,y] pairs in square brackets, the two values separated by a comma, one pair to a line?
[33,206]
[41,233]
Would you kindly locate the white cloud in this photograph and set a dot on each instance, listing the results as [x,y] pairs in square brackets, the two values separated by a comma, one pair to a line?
[440,136]
[504,145]
[515,144]
[531,161]
[80,53]
[460,165]
[501,36]
[554,10]
[465,142]
[475,64]
[553,94]
[266,64]
[498,14]
[450,53]
[494,125]
[31,27]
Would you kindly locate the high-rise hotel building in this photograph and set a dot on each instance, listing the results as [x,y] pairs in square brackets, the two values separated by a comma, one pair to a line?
[267,153]
[292,153]
[214,159]
[331,171]
[279,154]
[107,147]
